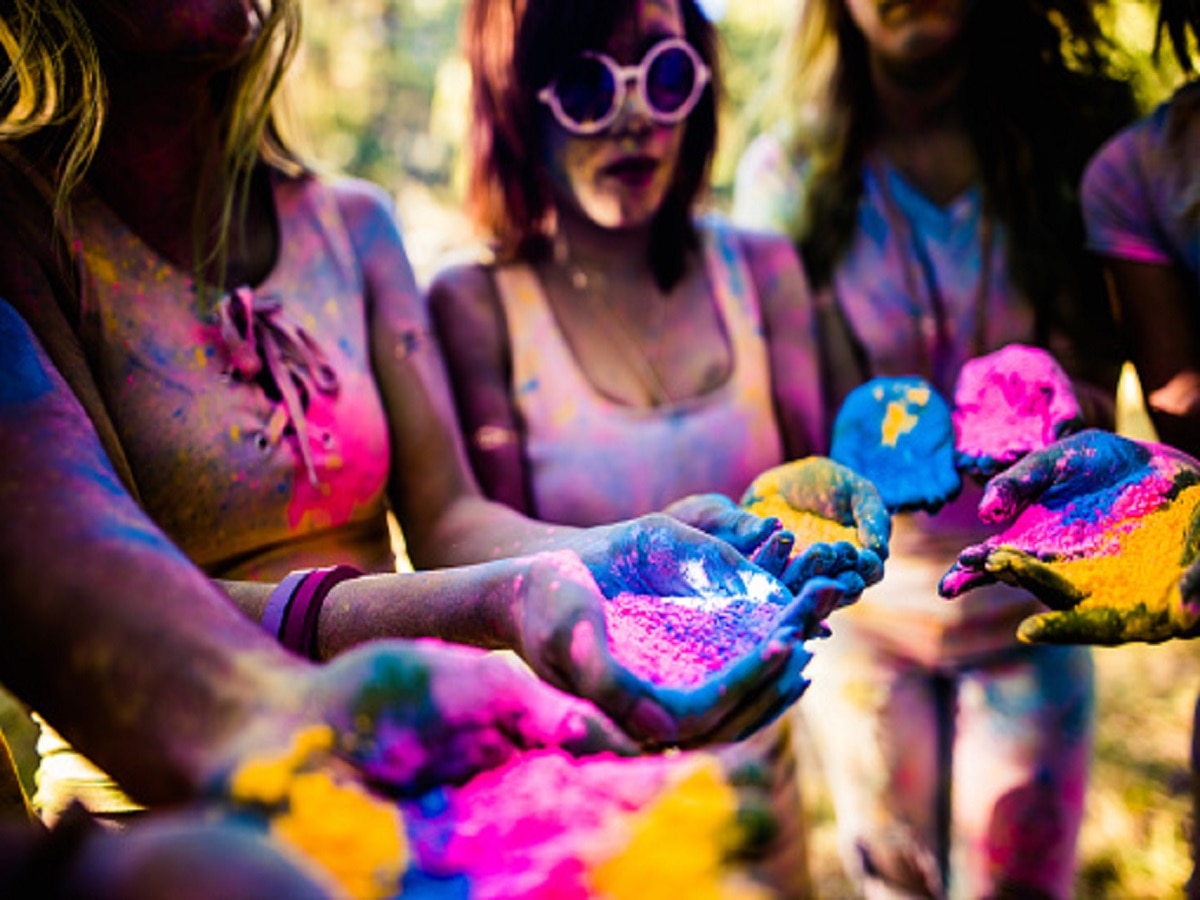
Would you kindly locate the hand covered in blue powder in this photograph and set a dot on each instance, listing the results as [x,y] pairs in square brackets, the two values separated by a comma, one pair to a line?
[897,433]
[659,556]
[823,489]
[1100,529]
[761,539]
[1010,403]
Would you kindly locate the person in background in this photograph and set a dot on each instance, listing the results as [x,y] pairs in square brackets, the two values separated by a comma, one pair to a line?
[217,366]
[616,354]
[1141,205]
[928,176]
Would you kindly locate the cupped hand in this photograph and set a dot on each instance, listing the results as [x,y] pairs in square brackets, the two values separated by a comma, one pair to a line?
[657,556]
[1010,403]
[1100,528]
[837,519]
[897,433]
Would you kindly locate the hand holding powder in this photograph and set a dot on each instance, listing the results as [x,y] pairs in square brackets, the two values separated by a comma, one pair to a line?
[1010,403]
[684,641]
[550,825]
[1098,529]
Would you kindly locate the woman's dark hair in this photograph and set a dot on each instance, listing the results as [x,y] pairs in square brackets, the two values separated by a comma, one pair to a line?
[515,47]
[1040,99]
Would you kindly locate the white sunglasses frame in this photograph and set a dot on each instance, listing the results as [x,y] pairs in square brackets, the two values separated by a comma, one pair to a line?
[622,75]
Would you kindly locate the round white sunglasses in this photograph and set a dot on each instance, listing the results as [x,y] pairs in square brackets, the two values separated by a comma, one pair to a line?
[587,95]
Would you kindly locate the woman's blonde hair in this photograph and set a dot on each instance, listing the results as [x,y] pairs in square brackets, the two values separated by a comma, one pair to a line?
[54,79]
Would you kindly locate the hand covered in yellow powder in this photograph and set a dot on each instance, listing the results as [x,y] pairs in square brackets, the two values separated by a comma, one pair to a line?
[837,520]
[1102,529]
[389,719]
[898,434]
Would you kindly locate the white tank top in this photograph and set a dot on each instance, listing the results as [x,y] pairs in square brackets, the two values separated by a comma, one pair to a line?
[592,460]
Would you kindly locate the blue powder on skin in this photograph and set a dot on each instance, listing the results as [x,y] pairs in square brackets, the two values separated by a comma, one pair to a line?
[23,379]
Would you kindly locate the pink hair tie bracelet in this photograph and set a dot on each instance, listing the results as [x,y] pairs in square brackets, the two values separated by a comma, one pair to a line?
[294,606]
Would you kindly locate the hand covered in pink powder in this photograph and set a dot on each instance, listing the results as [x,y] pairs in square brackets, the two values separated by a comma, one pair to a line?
[1010,403]
[414,715]
[656,556]
[837,522]
[897,433]
[1102,529]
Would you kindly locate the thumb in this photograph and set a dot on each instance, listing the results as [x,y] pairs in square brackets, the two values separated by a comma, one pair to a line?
[1024,570]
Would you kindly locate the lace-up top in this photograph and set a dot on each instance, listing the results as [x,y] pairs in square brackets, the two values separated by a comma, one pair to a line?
[253,429]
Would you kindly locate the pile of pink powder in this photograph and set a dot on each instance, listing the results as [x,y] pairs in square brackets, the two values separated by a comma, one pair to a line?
[533,827]
[684,641]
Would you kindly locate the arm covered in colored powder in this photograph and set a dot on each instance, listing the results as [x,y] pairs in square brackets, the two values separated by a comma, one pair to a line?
[1103,530]
[124,645]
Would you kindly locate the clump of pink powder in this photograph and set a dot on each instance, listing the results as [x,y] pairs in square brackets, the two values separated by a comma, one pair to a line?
[684,641]
[533,827]
[1010,403]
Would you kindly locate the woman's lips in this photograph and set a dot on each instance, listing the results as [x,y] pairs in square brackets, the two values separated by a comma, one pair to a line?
[634,171]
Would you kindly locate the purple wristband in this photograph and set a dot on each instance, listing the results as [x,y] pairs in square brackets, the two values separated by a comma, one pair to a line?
[298,632]
[279,602]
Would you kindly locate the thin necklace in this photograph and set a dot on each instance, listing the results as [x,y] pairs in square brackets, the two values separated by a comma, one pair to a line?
[933,328]
[639,350]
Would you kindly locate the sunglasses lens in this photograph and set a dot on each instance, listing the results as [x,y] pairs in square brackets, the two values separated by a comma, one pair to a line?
[670,80]
[586,89]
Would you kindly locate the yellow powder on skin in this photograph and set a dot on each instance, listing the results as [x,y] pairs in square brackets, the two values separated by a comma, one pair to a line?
[1145,571]
[678,846]
[357,838]
[809,528]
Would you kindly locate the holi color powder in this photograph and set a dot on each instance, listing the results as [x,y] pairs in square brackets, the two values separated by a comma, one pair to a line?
[684,641]
[808,528]
[357,838]
[1089,524]
[547,825]
[1010,403]
[1138,561]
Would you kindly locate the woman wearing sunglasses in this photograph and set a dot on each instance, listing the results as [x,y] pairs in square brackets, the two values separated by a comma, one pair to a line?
[616,354]
[929,176]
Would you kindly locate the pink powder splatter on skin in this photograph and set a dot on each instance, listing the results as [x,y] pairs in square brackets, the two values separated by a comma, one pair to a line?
[1046,532]
[533,827]
[684,641]
[1008,403]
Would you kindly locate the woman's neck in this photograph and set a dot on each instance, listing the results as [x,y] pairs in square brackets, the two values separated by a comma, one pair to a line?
[160,144]
[922,128]
[915,98]
[157,145]
[623,255]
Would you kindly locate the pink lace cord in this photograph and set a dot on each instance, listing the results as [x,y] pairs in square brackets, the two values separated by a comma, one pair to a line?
[256,333]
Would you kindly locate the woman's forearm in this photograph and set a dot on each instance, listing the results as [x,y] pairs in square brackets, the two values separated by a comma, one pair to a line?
[106,629]
[467,605]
